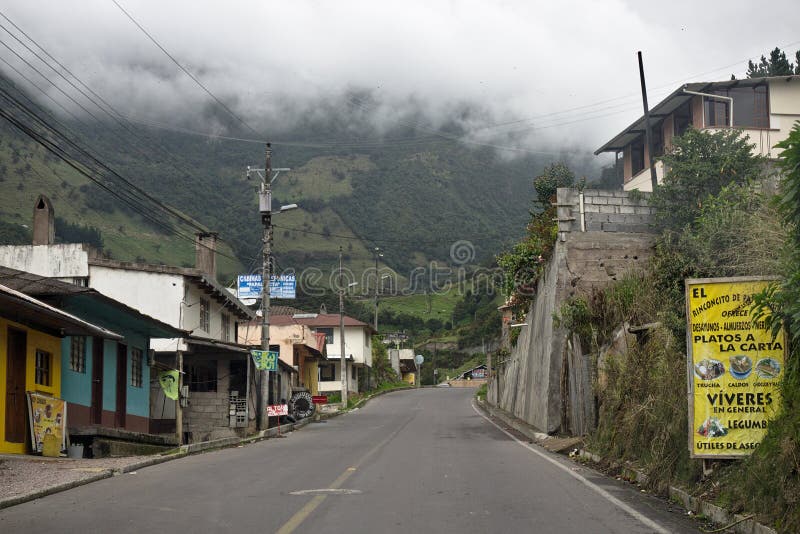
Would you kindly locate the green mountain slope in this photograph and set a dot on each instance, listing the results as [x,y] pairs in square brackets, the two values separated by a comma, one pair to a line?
[412,199]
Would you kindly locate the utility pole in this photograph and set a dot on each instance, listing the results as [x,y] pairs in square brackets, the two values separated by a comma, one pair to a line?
[648,133]
[342,357]
[178,407]
[265,207]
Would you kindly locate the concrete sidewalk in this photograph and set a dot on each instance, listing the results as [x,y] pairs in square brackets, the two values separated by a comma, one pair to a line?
[24,478]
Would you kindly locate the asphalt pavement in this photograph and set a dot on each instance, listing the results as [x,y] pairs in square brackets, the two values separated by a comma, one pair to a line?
[410,461]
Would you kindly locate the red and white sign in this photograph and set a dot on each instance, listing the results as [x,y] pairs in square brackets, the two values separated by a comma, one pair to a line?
[319,399]
[275,410]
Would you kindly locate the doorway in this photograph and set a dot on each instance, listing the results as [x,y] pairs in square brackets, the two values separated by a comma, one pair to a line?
[15,386]
[122,385]
[97,381]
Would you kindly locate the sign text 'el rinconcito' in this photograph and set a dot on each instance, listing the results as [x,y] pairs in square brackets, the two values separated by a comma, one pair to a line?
[734,367]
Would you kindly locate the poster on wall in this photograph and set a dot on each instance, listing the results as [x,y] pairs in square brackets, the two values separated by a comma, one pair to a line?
[46,415]
[734,367]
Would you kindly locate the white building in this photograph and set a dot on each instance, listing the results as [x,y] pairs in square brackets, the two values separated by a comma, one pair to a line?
[763,108]
[357,344]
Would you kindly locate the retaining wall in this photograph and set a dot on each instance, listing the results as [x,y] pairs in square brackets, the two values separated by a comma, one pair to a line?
[547,380]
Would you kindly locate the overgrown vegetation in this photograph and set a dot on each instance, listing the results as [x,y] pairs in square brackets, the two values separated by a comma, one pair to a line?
[768,482]
[718,219]
[523,264]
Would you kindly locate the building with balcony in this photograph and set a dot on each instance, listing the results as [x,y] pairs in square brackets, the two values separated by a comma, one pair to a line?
[765,109]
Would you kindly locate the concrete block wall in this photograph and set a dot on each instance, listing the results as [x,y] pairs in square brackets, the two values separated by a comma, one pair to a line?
[604,211]
[207,415]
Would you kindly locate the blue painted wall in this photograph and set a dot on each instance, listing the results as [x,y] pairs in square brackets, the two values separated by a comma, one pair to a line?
[138,397]
[76,387]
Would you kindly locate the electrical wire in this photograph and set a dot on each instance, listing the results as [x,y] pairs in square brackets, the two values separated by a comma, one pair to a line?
[113,114]
[81,168]
[189,74]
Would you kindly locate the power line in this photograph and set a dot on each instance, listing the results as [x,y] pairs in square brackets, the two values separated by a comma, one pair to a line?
[81,168]
[116,118]
[189,74]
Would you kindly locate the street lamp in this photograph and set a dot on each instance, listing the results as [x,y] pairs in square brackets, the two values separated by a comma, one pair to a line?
[378,254]
[342,356]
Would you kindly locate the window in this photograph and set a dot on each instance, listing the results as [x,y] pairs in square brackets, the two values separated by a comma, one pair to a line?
[43,364]
[327,372]
[328,335]
[205,315]
[683,118]
[716,111]
[750,107]
[226,327]
[637,157]
[77,354]
[136,367]
[202,376]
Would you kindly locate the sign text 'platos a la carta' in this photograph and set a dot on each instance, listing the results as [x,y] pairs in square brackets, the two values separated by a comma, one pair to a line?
[734,367]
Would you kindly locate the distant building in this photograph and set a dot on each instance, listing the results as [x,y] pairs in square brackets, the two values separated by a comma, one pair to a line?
[764,108]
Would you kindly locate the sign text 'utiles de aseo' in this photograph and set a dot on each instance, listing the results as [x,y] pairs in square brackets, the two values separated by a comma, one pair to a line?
[735,366]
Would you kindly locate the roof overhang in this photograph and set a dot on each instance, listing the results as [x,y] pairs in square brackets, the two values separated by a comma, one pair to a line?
[224,297]
[221,345]
[26,310]
[56,292]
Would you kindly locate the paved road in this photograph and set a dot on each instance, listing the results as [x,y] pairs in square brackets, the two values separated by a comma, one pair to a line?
[413,461]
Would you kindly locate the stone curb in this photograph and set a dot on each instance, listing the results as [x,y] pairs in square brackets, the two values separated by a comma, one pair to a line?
[363,401]
[716,514]
[696,505]
[13,501]
[719,516]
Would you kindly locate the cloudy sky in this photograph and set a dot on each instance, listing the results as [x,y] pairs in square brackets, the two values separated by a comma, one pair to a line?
[524,73]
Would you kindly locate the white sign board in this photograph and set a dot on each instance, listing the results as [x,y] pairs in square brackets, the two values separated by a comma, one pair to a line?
[275,410]
[280,287]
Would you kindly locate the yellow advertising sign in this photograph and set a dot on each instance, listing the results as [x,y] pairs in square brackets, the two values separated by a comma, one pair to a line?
[48,416]
[734,368]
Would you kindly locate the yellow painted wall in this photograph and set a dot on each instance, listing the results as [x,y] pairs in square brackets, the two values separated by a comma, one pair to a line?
[312,376]
[35,340]
[410,378]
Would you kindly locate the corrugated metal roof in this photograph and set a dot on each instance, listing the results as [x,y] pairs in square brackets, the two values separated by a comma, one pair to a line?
[47,288]
[22,308]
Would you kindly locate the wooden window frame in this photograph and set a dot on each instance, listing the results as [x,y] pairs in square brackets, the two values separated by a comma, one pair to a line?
[137,367]
[205,316]
[43,368]
[77,354]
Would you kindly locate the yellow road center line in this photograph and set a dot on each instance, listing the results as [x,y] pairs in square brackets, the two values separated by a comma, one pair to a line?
[301,515]
[297,519]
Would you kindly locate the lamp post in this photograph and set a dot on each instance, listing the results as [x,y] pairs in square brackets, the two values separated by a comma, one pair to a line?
[342,355]
[378,254]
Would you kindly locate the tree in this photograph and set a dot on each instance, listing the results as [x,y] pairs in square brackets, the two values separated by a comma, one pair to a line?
[776,65]
[699,165]
[553,176]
